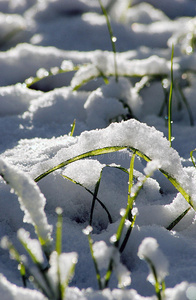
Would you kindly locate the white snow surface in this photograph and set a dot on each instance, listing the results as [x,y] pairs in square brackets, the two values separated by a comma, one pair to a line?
[118,104]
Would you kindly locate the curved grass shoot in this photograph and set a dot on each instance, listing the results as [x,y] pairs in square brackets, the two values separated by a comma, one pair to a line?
[192,158]
[105,150]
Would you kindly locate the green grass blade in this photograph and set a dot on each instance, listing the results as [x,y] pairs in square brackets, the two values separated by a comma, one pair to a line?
[126,238]
[64,285]
[178,219]
[59,226]
[105,150]
[170,101]
[73,125]
[191,119]
[90,241]
[129,204]
[22,270]
[178,187]
[112,38]
[32,80]
[100,202]
[191,155]
[33,257]
[130,184]
[14,254]
[108,273]
[157,284]
[81,156]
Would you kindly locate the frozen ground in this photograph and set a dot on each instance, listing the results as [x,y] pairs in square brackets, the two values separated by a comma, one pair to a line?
[37,37]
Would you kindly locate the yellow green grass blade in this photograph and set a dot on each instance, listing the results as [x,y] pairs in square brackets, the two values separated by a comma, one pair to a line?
[170,101]
[106,150]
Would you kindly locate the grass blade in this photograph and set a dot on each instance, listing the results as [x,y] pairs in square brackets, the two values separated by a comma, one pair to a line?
[59,226]
[112,38]
[87,232]
[105,150]
[73,125]
[191,119]
[178,219]
[170,101]
[94,198]
[32,80]
[191,155]
[100,202]
[81,156]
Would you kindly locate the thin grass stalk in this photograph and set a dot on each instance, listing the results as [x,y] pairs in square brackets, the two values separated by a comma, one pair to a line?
[16,256]
[112,38]
[191,119]
[178,219]
[130,184]
[165,101]
[98,276]
[94,198]
[122,222]
[192,159]
[157,284]
[170,101]
[129,204]
[99,201]
[22,270]
[59,226]
[132,218]
[73,125]
[108,273]
[127,235]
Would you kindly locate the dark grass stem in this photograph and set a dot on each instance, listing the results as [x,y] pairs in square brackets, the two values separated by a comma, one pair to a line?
[191,119]
[94,198]
[89,191]
[112,38]
[178,219]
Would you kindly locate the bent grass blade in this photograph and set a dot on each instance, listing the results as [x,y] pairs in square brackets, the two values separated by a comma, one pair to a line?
[105,150]
[32,80]
[192,158]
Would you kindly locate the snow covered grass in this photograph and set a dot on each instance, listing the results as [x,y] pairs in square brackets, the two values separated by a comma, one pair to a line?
[121,189]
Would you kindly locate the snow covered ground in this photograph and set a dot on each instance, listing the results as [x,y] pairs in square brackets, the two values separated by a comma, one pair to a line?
[41,38]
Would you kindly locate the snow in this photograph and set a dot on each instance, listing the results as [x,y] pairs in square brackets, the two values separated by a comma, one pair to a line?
[69,41]
[149,250]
